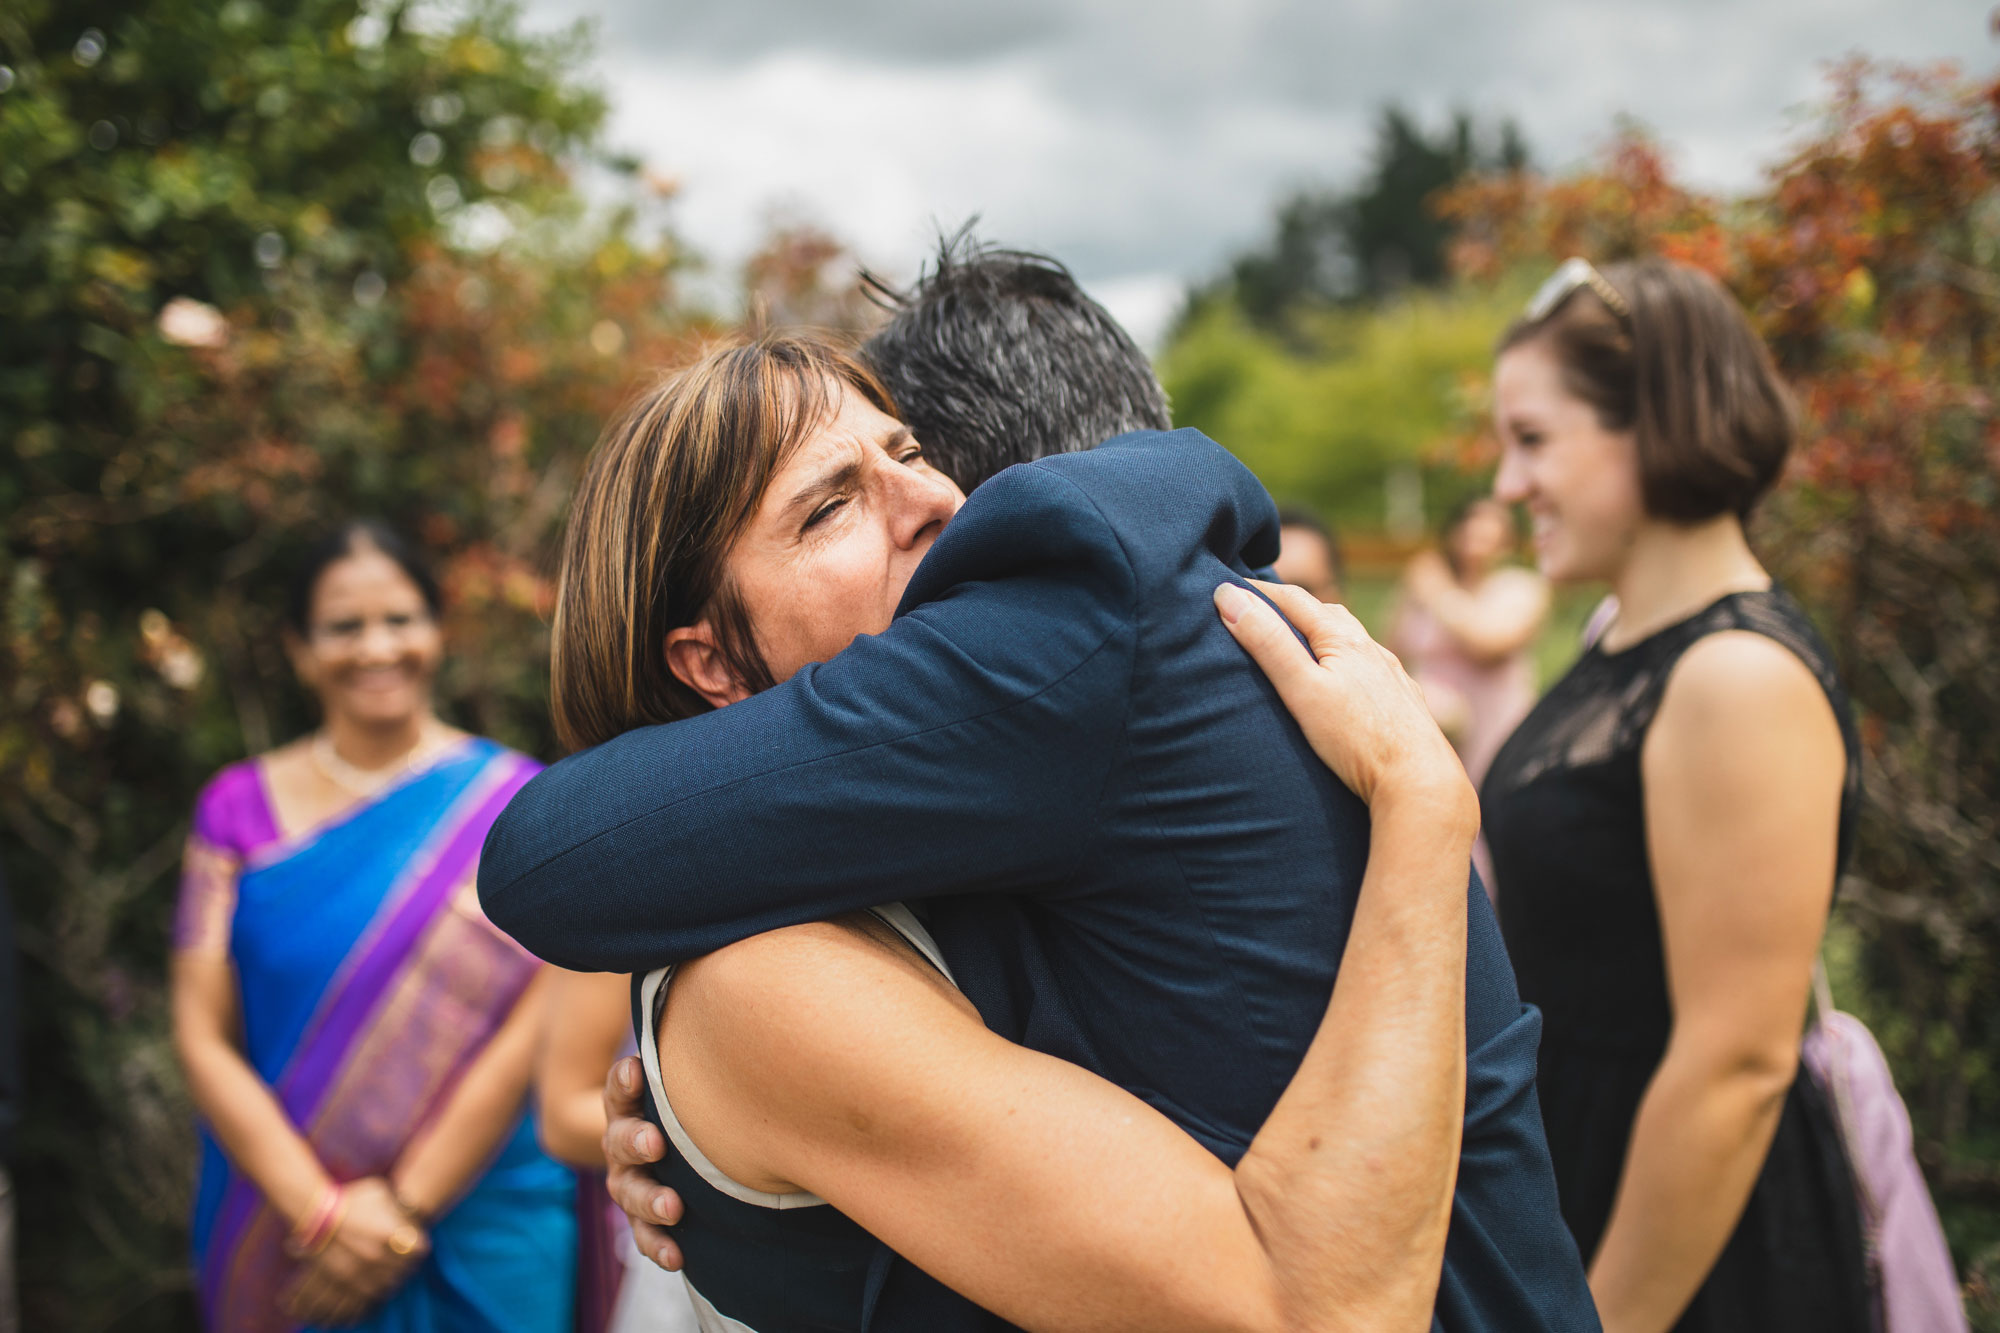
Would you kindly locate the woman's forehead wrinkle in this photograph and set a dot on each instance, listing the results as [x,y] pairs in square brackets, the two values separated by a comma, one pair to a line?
[810,407]
[833,455]
[826,481]
[825,466]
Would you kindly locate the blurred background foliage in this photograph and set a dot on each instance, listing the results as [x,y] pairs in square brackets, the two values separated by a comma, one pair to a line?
[1346,422]
[265,266]
[1370,242]
[269,264]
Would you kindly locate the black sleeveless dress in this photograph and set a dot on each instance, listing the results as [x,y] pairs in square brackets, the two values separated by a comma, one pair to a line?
[782,1263]
[1565,819]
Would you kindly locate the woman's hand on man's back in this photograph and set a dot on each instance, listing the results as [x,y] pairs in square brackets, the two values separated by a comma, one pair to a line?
[1363,715]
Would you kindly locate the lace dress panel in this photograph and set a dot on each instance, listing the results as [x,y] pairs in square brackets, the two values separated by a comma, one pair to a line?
[1606,703]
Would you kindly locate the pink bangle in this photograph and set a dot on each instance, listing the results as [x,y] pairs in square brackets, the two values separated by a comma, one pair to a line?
[316,1232]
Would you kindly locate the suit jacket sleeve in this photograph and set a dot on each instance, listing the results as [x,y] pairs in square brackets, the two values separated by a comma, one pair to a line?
[962,750]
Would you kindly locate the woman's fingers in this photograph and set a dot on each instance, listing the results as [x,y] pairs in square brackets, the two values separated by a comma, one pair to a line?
[302,1301]
[344,1308]
[318,1298]
[1328,626]
[1331,629]
[1360,711]
[1297,604]
[352,1273]
[1265,636]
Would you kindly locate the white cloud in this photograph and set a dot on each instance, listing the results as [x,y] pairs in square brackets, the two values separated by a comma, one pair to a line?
[1142,141]
[885,155]
[871,152]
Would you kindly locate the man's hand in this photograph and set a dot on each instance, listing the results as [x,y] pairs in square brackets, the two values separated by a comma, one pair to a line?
[631,1144]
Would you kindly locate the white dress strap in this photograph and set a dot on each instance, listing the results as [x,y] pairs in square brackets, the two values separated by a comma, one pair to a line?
[652,998]
[904,922]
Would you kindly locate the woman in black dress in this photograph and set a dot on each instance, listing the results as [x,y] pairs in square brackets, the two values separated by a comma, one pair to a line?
[1670,820]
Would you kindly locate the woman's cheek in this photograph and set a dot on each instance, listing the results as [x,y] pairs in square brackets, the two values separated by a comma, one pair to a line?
[429,659]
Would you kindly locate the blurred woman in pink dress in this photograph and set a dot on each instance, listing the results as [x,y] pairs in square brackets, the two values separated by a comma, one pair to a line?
[1466,626]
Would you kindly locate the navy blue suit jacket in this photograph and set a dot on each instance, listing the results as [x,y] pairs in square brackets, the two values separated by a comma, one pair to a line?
[1128,853]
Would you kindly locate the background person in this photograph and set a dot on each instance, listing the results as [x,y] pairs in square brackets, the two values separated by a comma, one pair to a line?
[1466,627]
[1309,553]
[1669,821]
[587,1024]
[356,1036]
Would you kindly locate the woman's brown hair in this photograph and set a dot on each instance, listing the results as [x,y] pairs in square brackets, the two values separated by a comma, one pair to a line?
[671,485]
[1686,374]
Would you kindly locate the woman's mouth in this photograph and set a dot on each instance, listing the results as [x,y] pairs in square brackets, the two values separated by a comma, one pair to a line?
[378,680]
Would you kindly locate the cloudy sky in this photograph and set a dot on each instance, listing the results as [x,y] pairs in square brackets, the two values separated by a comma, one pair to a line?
[1144,141]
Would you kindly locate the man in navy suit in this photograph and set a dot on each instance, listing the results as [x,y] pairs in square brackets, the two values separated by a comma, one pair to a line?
[1129,855]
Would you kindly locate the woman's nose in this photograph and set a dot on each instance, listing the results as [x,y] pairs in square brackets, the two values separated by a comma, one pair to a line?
[925,499]
[379,643]
[1510,483]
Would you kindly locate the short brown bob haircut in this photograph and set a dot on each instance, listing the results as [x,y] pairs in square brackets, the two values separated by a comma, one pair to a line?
[1685,374]
[672,484]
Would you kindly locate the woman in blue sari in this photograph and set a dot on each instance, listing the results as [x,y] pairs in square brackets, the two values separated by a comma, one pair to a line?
[357,1037]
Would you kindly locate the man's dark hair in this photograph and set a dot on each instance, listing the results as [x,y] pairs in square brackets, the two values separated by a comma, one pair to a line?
[997,357]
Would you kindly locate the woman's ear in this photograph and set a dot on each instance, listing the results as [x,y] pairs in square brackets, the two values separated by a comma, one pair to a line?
[699,663]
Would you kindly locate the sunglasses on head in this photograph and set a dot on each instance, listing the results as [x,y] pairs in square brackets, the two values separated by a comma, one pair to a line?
[1564,282]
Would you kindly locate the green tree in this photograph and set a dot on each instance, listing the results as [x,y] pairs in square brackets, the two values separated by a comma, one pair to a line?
[1375,390]
[1393,231]
[1333,247]
[265,265]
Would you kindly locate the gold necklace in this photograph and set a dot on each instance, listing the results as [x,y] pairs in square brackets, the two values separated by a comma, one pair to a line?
[358,780]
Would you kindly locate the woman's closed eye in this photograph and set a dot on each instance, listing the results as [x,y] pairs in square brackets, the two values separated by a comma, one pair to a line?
[822,513]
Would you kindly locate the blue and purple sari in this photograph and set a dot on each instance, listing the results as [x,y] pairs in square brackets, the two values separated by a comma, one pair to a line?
[370,980]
